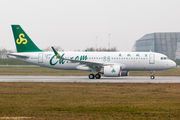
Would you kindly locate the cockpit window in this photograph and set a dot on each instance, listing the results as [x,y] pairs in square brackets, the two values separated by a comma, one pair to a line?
[164,58]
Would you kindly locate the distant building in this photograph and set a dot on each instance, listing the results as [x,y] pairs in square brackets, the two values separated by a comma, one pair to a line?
[165,43]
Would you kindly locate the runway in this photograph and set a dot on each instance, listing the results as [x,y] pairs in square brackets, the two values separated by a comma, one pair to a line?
[85,79]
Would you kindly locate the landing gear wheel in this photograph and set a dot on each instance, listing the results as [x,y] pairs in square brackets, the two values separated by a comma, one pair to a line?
[91,76]
[152,77]
[98,76]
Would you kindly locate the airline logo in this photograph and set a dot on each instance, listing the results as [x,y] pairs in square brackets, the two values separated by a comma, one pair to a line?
[21,39]
[62,61]
[113,71]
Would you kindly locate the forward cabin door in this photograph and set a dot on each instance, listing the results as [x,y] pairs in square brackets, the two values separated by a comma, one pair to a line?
[151,58]
[40,58]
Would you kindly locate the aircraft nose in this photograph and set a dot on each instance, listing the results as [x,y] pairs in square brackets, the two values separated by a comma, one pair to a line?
[172,64]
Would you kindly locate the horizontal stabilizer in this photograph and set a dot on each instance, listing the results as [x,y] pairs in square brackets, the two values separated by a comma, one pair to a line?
[20,56]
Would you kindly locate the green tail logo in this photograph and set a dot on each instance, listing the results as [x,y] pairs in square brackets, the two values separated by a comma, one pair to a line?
[22,40]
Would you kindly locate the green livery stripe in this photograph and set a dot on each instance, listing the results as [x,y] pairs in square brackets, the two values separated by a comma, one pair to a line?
[22,40]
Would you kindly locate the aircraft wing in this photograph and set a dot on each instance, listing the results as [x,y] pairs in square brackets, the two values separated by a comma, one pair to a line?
[87,63]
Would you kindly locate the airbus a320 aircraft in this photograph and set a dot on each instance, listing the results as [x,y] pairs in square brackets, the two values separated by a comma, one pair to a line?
[111,64]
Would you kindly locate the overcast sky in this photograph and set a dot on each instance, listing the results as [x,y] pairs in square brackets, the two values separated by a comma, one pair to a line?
[74,24]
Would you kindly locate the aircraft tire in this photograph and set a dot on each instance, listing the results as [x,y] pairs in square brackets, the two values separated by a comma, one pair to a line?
[91,76]
[152,77]
[98,76]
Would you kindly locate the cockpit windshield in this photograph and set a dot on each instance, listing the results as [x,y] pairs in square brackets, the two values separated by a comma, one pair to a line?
[164,58]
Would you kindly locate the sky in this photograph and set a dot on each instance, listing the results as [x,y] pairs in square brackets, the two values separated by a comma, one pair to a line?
[77,24]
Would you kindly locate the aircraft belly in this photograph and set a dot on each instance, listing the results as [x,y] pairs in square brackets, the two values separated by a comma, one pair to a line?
[141,66]
[134,66]
[69,66]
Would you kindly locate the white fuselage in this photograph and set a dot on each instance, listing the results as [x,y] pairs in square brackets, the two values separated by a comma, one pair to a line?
[129,61]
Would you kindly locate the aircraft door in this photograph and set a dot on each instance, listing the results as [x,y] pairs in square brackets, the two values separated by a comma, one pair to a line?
[40,58]
[151,59]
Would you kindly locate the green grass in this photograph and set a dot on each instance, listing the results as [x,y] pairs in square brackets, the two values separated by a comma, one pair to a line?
[12,62]
[39,71]
[90,101]
[48,71]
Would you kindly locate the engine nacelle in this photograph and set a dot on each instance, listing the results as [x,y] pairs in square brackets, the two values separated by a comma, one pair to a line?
[112,71]
[124,73]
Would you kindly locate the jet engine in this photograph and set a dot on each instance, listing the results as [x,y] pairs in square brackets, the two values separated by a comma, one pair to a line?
[112,71]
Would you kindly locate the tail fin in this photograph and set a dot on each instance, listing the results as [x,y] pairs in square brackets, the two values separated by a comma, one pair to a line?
[22,40]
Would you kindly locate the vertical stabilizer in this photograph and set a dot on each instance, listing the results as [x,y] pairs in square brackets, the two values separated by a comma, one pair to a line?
[22,40]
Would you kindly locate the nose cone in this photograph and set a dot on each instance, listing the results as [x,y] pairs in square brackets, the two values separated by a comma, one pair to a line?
[172,64]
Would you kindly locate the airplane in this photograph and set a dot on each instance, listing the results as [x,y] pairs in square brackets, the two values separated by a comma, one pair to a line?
[111,64]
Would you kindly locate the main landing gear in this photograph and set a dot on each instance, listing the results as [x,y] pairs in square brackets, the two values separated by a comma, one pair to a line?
[97,76]
[152,76]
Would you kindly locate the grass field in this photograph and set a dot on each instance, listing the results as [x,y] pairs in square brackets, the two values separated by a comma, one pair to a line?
[48,71]
[89,101]
[12,62]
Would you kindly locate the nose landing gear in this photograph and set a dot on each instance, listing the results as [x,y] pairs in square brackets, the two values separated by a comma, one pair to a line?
[152,76]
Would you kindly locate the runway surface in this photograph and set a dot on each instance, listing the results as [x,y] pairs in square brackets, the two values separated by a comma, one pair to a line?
[128,79]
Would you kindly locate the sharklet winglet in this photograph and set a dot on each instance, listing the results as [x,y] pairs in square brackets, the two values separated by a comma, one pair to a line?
[56,53]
